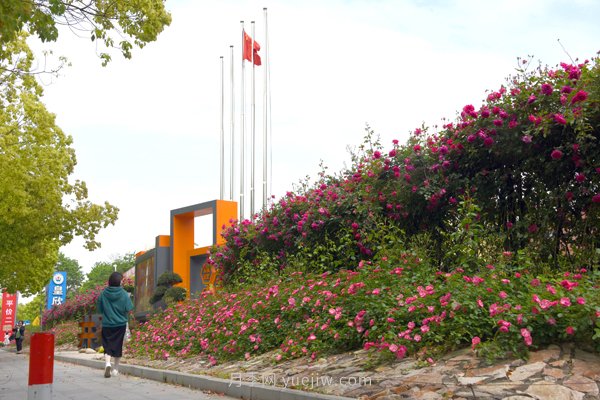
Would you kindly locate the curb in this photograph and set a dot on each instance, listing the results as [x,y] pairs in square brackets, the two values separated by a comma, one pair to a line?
[242,390]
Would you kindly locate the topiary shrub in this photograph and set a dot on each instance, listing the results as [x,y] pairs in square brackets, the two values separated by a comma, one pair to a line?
[169,279]
[165,292]
[174,294]
[159,292]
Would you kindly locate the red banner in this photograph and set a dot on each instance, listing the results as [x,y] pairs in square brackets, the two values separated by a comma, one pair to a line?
[9,311]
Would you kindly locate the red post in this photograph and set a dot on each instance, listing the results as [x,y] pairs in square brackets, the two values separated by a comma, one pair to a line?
[41,366]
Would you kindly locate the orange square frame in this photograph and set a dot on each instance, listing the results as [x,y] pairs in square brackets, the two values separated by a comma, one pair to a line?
[182,233]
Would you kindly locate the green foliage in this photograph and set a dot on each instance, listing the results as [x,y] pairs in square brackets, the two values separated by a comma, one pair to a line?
[66,333]
[596,336]
[117,24]
[169,279]
[32,309]
[100,272]
[129,286]
[174,294]
[74,273]
[166,291]
[158,294]
[40,210]
[467,242]
[526,165]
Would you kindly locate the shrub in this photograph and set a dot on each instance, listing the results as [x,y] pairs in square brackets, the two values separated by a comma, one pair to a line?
[66,332]
[529,157]
[158,294]
[165,291]
[174,294]
[169,279]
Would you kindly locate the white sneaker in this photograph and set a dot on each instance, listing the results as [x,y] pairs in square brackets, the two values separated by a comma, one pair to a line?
[115,372]
[107,371]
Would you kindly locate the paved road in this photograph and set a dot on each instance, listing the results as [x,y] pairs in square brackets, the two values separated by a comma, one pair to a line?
[83,383]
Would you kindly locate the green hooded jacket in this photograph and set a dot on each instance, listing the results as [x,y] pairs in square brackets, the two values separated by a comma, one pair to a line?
[114,304]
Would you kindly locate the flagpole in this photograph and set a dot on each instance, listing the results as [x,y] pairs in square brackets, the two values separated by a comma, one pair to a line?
[232,138]
[253,130]
[266,63]
[222,149]
[242,134]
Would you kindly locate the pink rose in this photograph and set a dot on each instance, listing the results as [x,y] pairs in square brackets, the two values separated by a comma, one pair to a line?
[560,119]
[579,96]
[556,154]
[570,330]
[546,89]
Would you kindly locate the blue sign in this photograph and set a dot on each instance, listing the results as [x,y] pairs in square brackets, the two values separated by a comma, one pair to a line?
[57,290]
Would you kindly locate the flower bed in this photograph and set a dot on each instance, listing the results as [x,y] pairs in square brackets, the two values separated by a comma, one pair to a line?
[396,308]
[481,233]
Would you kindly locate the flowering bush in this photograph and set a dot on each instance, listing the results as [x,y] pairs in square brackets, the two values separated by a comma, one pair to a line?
[74,308]
[529,156]
[396,305]
[480,233]
[80,305]
[483,233]
[66,333]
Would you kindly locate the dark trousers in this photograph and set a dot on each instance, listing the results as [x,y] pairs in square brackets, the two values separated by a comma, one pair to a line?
[19,344]
[112,340]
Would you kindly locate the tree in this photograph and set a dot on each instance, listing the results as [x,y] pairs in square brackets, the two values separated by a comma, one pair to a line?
[101,271]
[74,274]
[40,209]
[117,24]
[74,280]
[32,309]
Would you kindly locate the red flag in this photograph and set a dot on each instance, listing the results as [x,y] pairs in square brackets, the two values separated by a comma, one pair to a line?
[248,52]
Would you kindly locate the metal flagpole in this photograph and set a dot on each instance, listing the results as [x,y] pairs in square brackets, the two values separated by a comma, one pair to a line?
[253,130]
[222,152]
[242,133]
[265,64]
[232,138]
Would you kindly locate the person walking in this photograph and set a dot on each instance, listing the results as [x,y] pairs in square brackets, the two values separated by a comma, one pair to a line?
[19,332]
[114,305]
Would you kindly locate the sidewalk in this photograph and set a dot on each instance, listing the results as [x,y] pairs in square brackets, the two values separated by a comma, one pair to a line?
[556,372]
[74,382]
[228,387]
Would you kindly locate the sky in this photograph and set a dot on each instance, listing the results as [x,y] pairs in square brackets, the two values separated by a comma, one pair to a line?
[146,131]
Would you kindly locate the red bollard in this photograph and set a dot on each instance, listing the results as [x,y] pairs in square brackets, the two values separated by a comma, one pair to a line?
[41,366]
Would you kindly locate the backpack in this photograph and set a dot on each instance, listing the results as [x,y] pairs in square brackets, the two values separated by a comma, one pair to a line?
[18,334]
